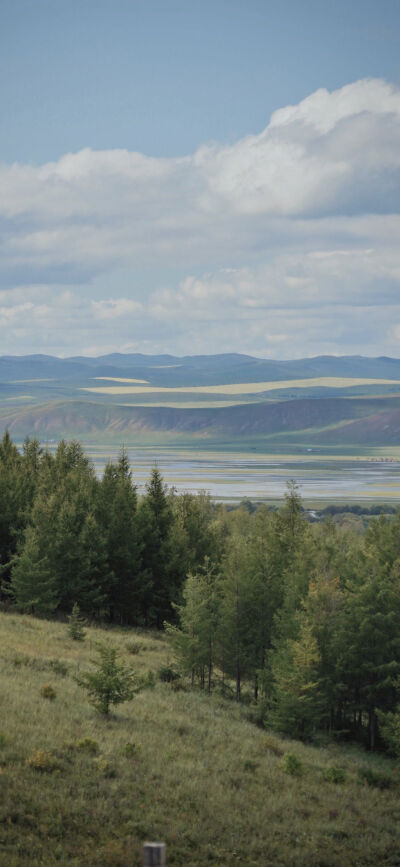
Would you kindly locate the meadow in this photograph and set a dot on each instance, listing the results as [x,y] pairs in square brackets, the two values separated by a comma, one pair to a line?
[243,388]
[173,764]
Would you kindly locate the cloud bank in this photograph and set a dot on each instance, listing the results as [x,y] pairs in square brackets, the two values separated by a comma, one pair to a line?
[286,243]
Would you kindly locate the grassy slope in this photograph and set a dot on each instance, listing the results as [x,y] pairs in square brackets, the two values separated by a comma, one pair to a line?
[62,418]
[204,779]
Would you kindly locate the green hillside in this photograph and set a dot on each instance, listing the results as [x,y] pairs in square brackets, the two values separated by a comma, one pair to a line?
[328,420]
[201,399]
[179,766]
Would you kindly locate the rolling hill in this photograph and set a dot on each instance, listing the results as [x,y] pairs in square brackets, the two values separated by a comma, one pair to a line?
[319,401]
[334,417]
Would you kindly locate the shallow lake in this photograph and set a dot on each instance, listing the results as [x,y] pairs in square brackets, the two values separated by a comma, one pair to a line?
[233,476]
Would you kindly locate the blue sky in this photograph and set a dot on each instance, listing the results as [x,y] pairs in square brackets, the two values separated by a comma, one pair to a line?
[182,177]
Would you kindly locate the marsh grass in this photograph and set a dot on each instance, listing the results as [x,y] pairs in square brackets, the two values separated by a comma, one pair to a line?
[171,765]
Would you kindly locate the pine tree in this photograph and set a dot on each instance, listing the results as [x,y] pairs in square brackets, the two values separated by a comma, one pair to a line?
[369,658]
[155,521]
[195,639]
[110,683]
[117,510]
[298,703]
[93,580]
[12,505]
[33,586]
[239,630]
[76,622]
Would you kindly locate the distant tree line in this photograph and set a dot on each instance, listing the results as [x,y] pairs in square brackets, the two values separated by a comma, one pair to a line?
[303,616]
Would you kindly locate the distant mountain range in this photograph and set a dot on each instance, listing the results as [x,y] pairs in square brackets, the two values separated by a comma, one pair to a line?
[170,370]
[323,401]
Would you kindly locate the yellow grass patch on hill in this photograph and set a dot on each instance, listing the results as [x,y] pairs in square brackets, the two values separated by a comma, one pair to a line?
[241,387]
[117,379]
[187,404]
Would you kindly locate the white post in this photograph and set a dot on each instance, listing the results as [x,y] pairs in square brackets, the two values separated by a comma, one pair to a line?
[154,855]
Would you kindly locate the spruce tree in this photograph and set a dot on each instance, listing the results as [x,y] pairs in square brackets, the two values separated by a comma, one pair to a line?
[117,509]
[195,639]
[155,521]
[33,585]
[297,702]
[76,627]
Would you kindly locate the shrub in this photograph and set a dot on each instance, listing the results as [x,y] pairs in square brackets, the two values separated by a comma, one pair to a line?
[3,739]
[58,667]
[148,681]
[374,778]
[111,683]
[389,724]
[272,745]
[48,691]
[334,775]
[42,760]
[88,745]
[179,686]
[76,627]
[249,765]
[167,674]
[134,647]
[106,768]
[292,765]
[131,751]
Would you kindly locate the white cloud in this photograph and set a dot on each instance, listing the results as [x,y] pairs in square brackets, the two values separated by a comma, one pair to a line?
[323,110]
[115,307]
[283,230]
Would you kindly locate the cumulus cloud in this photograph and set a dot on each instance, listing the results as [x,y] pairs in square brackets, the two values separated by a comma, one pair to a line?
[297,224]
[114,308]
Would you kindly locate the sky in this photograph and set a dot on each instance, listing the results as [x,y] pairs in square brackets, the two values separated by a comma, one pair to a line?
[194,177]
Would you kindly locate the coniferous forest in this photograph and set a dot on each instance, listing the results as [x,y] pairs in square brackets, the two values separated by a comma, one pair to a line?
[301,619]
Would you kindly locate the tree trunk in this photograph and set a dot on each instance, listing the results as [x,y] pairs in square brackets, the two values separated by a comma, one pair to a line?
[256,687]
[372,728]
[238,680]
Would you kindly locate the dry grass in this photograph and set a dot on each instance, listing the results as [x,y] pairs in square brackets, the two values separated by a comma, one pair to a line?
[170,765]
[241,387]
[117,379]
[185,404]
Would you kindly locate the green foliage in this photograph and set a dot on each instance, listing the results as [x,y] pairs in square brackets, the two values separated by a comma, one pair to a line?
[272,745]
[155,522]
[375,779]
[390,730]
[88,745]
[117,515]
[167,673]
[111,682]
[131,750]
[298,620]
[292,765]
[250,766]
[134,647]
[297,704]
[33,584]
[195,641]
[334,775]
[106,768]
[59,667]
[76,624]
